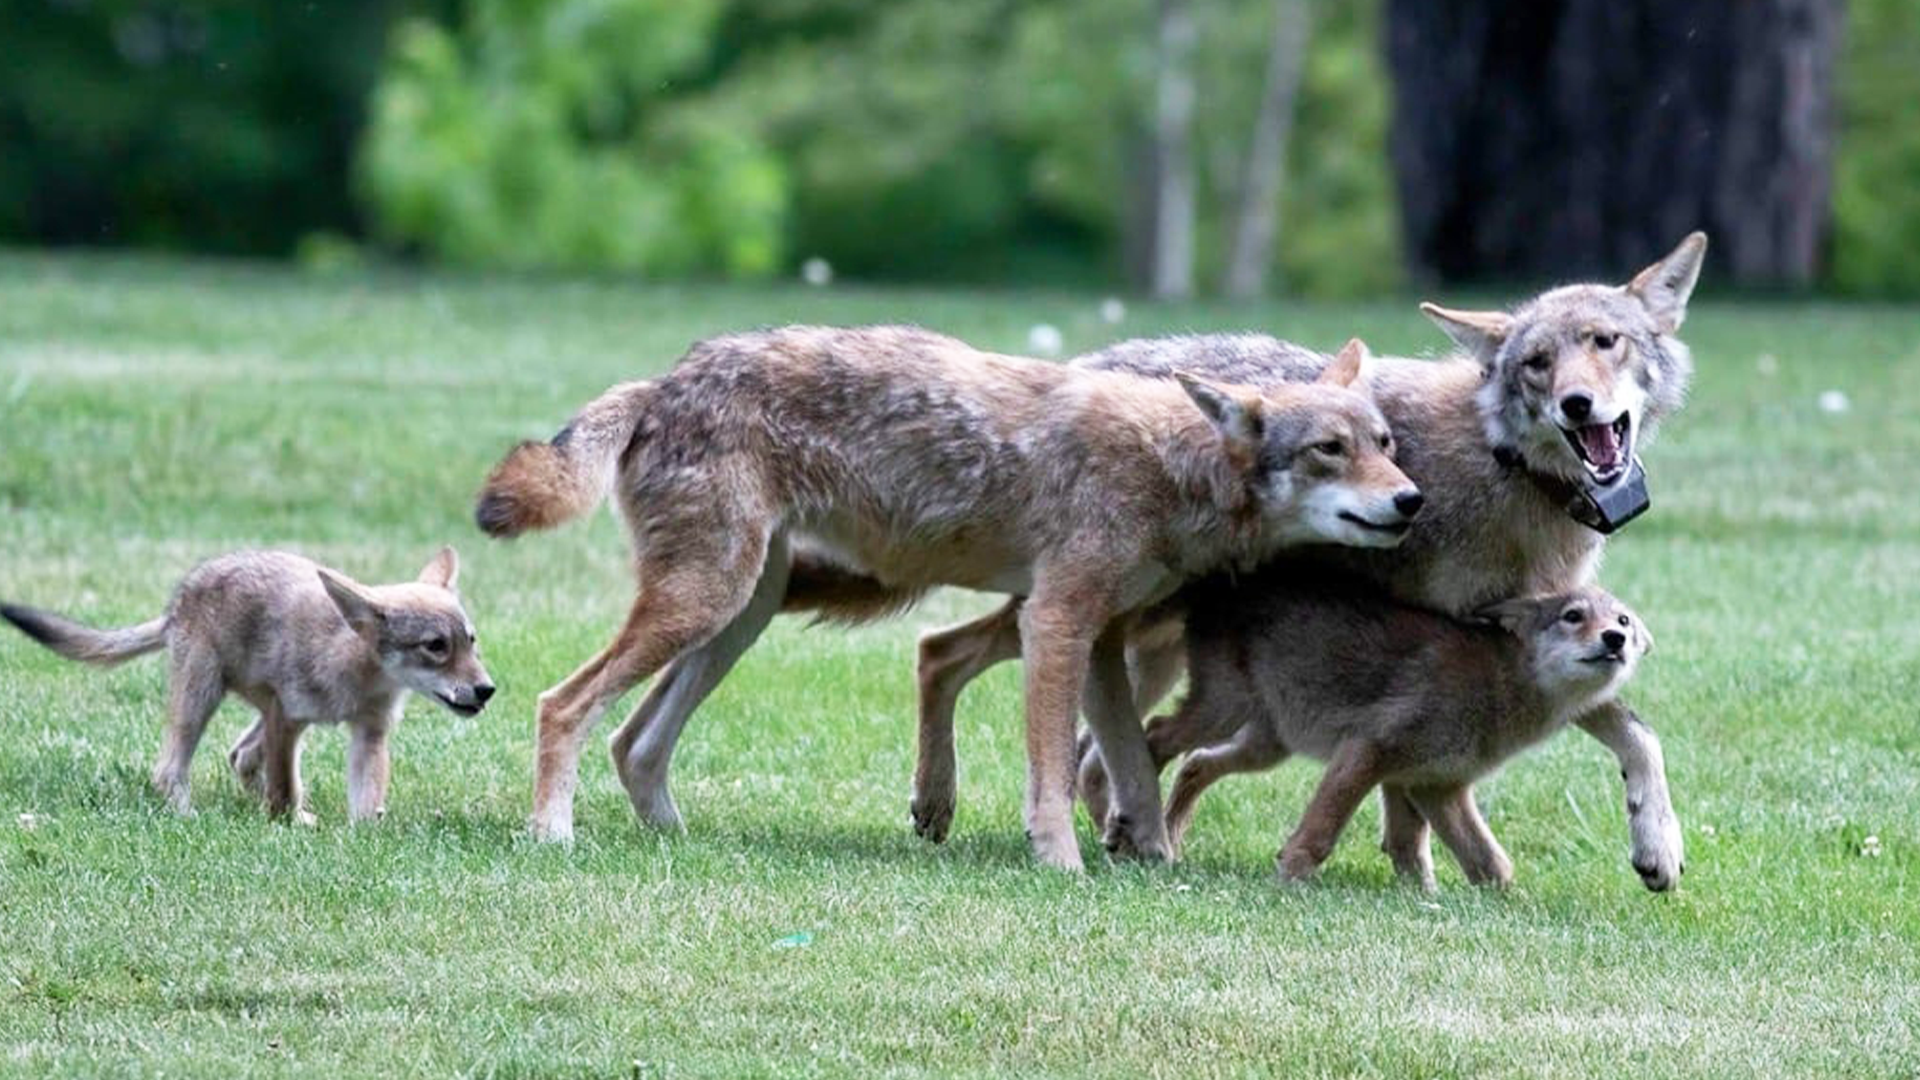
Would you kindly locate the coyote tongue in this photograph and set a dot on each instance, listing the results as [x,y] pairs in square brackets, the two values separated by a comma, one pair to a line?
[1600,445]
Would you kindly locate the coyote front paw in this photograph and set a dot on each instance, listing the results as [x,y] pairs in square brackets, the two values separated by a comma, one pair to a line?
[1143,841]
[550,830]
[932,817]
[1658,853]
[1058,852]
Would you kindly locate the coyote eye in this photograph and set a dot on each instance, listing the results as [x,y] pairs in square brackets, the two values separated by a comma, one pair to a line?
[1572,617]
[435,645]
[1603,342]
[1332,448]
[1537,362]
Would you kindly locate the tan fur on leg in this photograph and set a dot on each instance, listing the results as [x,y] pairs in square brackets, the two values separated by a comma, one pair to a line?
[949,660]
[682,604]
[1404,837]
[1456,817]
[1353,771]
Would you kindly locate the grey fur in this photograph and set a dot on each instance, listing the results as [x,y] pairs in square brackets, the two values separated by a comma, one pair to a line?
[1487,531]
[303,645]
[1307,663]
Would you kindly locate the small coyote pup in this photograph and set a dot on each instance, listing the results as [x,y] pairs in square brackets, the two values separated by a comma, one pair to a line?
[302,644]
[1387,695]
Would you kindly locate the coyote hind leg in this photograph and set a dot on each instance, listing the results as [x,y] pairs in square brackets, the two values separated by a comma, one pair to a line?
[949,660]
[643,747]
[194,690]
[685,599]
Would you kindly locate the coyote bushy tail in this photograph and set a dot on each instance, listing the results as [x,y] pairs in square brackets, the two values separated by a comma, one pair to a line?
[539,485]
[84,643]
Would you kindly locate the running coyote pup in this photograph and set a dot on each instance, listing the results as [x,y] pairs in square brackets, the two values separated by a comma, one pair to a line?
[302,644]
[1391,696]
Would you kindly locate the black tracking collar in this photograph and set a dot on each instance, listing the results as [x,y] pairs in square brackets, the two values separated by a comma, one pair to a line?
[1603,508]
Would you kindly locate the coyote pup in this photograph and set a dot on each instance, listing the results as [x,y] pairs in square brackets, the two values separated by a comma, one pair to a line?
[303,645]
[1387,695]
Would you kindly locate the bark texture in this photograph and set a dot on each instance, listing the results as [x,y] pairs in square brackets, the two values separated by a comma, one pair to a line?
[1571,138]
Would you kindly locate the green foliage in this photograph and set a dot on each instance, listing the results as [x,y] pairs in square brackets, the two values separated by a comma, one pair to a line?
[537,134]
[1876,169]
[978,140]
[1006,141]
[183,123]
[1340,229]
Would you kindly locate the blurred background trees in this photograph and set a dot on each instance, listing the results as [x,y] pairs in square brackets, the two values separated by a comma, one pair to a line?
[549,134]
[1642,119]
[1214,146]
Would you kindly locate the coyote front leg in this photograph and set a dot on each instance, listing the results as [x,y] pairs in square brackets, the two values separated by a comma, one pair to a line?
[1135,826]
[1057,628]
[1353,770]
[1658,852]
[368,767]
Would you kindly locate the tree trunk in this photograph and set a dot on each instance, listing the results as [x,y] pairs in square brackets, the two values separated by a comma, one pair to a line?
[1574,138]
[1173,201]
[1257,219]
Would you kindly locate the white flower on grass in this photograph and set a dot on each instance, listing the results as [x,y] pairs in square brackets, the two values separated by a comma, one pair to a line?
[1044,339]
[1112,310]
[816,272]
[1834,401]
[31,821]
[1870,847]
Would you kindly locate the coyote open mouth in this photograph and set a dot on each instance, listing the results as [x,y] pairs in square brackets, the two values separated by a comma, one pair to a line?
[1602,448]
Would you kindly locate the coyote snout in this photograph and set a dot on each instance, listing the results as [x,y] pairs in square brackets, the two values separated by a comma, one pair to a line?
[1340,477]
[1368,518]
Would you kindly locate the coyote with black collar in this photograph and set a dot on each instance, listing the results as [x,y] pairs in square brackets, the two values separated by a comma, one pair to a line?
[919,461]
[1545,401]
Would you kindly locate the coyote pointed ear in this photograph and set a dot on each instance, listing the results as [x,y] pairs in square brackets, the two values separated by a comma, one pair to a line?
[1351,366]
[1234,413]
[1665,286]
[444,570]
[1479,332]
[1513,615]
[362,612]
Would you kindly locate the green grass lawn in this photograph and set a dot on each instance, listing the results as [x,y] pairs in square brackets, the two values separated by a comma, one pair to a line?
[153,413]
